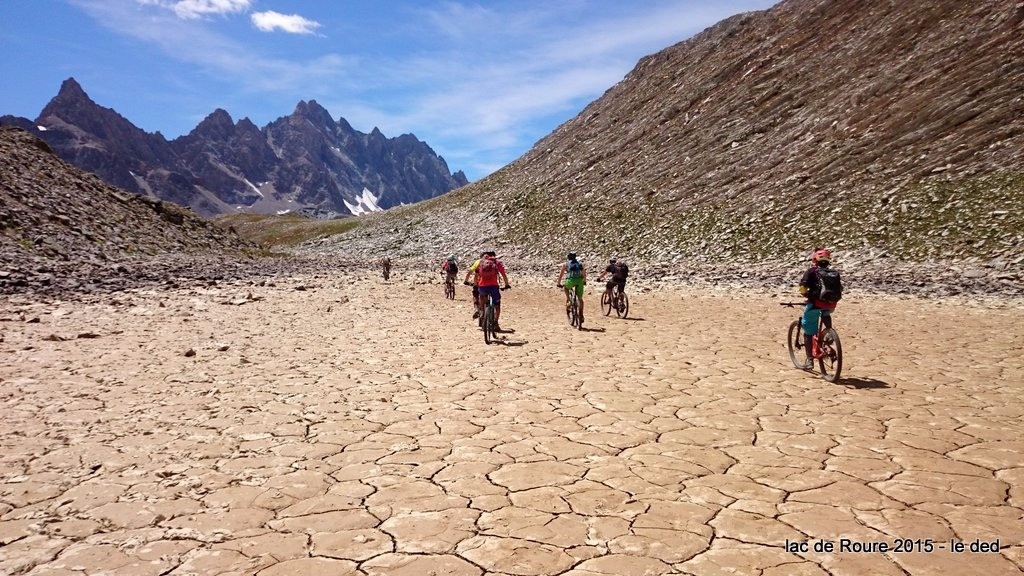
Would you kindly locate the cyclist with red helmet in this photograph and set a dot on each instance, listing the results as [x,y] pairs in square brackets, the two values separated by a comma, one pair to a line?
[823,289]
[486,271]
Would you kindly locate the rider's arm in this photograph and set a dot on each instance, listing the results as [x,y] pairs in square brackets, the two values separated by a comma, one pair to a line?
[561,272]
[805,282]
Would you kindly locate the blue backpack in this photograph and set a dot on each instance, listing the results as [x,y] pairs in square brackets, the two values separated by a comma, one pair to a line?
[574,268]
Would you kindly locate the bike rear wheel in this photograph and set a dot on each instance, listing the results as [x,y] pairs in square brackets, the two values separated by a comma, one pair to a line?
[831,361]
[574,311]
[449,291]
[622,308]
[795,341]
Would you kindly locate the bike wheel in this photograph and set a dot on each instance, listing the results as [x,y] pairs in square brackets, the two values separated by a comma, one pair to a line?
[449,291]
[577,321]
[622,309]
[795,341]
[606,303]
[831,361]
[488,324]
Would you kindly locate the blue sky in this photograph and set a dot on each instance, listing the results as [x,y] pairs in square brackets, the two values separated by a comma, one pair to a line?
[480,82]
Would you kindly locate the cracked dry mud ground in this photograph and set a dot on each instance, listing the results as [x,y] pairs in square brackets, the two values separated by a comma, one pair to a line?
[353,427]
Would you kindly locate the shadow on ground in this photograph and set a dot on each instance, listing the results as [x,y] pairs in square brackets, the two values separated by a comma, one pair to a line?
[863,383]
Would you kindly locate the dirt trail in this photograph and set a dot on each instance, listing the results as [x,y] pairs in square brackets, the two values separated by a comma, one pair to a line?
[343,426]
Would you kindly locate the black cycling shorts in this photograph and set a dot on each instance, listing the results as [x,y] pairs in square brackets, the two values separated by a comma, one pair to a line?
[613,282]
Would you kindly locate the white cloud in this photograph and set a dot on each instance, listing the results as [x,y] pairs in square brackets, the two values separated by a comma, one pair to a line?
[292,23]
[192,9]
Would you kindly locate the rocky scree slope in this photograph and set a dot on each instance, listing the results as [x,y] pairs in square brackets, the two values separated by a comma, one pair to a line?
[305,162]
[61,228]
[892,132]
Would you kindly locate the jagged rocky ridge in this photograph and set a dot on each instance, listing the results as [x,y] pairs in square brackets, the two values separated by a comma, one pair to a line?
[305,162]
[892,132]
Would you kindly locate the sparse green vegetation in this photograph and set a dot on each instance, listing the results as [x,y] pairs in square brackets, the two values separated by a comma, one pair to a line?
[287,230]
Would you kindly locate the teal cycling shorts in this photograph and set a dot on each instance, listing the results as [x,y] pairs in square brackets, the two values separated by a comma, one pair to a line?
[812,314]
[576,283]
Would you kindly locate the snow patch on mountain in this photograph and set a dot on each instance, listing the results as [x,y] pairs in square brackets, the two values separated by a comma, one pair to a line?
[365,203]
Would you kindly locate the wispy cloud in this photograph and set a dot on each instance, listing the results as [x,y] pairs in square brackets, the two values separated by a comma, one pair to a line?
[192,9]
[292,23]
[224,58]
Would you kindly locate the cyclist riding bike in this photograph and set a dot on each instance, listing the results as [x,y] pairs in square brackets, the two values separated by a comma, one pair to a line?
[385,264]
[823,289]
[619,271]
[575,275]
[486,273]
[449,268]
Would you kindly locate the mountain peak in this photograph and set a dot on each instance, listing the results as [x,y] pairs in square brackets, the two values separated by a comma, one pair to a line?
[71,90]
[218,123]
[71,87]
[313,112]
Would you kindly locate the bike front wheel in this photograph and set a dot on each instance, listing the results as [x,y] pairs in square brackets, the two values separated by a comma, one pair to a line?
[488,324]
[795,341]
[622,309]
[831,361]
[606,302]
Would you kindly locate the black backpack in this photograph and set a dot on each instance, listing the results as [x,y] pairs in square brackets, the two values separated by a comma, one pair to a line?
[830,287]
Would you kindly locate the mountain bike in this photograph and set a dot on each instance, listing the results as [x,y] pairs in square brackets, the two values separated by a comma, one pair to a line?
[616,300]
[449,288]
[488,323]
[572,310]
[386,270]
[826,348]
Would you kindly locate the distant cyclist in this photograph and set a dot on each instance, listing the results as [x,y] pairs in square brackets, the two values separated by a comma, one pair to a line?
[488,269]
[823,289]
[619,271]
[385,265]
[575,275]
[449,268]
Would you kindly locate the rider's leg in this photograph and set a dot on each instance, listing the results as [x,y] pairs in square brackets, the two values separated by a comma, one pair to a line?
[566,290]
[579,298]
[481,305]
[809,324]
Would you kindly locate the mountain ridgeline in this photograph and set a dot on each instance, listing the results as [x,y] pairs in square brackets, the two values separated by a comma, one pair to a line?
[891,131]
[306,162]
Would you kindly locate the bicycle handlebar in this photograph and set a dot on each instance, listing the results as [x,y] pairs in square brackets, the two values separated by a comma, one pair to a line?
[792,304]
[499,288]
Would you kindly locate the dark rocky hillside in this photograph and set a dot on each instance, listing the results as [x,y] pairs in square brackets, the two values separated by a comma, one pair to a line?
[891,131]
[64,228]
[303,163]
